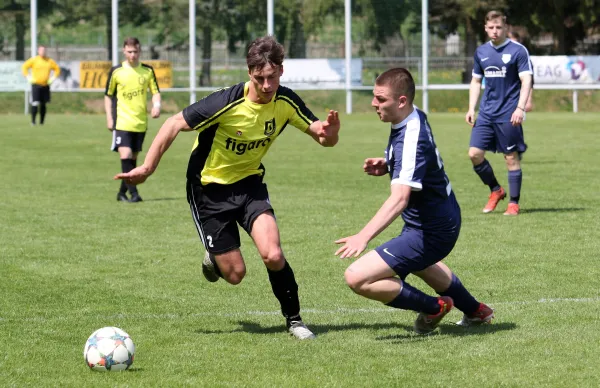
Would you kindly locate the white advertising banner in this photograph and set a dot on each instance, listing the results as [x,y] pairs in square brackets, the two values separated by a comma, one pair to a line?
[320,72]
[563,69]
[11,76]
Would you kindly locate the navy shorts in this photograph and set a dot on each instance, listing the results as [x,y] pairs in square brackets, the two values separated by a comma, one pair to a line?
[498,137]
[218,209]
[415,249]
[133,140]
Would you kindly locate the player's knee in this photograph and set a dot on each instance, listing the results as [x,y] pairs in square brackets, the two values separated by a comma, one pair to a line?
[235,276]
[273,258]
[512,160]
[476,156]
[354,280]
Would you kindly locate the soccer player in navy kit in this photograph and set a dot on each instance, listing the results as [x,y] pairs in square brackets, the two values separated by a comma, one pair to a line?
[421,192]
[508,76]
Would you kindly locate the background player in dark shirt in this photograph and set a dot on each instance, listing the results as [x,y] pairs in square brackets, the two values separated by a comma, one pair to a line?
[422,194]
[236,126]
[507,70]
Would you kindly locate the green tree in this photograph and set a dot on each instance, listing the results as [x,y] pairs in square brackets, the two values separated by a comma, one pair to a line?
[17,12]
[99,13]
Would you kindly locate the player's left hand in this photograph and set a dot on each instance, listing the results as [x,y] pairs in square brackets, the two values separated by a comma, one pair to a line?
[517,117]
[155,113]
[136,176]
[353,246]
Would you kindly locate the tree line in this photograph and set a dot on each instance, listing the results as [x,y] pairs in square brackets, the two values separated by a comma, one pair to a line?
[296,21]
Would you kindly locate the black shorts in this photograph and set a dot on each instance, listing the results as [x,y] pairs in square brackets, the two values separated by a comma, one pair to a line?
[217,209]
[133,140]
[39,94]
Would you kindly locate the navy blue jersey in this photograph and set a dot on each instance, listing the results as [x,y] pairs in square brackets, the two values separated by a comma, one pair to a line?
[501,66]
[414,160]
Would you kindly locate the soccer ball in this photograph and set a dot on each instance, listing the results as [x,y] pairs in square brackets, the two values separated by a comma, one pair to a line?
[109,349]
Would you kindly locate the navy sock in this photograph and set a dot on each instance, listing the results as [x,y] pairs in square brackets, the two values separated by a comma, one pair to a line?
[486,174]
[463,300]
[411,298]
[285,288]
[514,185]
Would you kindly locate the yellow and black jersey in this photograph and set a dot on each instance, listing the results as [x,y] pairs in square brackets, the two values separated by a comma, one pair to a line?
[40,69]
[128,87]
[235,133]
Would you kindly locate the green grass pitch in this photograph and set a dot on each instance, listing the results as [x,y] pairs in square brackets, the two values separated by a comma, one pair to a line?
[73,260]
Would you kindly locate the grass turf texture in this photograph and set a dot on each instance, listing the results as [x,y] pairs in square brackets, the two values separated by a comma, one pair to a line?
[73,260]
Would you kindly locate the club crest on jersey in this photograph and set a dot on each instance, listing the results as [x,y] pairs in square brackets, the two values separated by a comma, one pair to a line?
[270,127]
[141,80]
[239,133]
[506,58]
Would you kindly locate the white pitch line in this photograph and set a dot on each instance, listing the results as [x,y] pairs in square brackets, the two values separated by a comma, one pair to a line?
[340,310]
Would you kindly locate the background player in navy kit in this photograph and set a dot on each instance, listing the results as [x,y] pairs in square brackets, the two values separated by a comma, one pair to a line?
[237,126]
[421,192]
[507,70]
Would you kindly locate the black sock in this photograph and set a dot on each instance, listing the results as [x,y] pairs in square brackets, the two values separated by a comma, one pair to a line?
[486,174]
[34,110]
[126,166]
[285,289]
[42,112]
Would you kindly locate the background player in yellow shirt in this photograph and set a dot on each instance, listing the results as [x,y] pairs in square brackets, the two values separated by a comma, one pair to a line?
[41,66]
[236,127]
[126,114]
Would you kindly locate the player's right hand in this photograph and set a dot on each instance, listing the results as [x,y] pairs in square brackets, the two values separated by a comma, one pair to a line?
[136,176]
[375,166]
[110,125]
[470,118]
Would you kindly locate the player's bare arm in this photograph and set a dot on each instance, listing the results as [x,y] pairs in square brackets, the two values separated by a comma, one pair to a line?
[389,211]
[375,166]
[110,123]
[519,113]
[326,132]
[156,100]
[161,143]
[474,91]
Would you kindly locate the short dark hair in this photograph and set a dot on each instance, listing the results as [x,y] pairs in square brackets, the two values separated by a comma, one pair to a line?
[400,81]
[515,35]
[495,15]
[264,51]
[131,41]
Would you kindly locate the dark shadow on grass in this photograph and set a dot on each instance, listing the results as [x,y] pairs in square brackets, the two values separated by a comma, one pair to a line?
[256,328]
[448,329]
[409,333]
[552,210]
[163,199]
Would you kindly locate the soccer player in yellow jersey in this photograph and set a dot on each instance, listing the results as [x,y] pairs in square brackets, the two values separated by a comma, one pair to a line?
[236,127]
[125,105]
[41,66]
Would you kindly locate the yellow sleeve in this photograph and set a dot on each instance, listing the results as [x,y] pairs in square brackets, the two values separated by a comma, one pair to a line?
[55,67]
[26,66]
